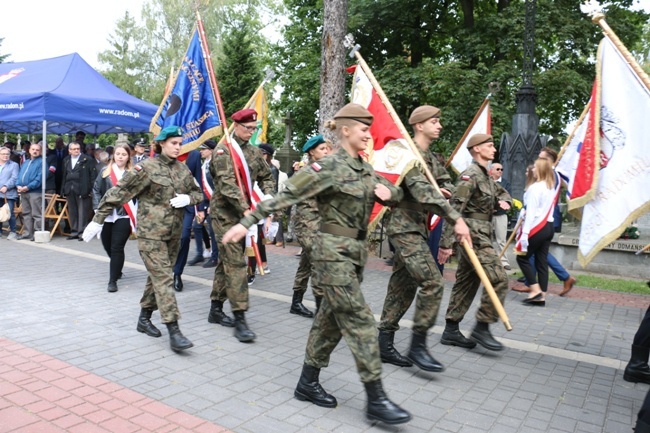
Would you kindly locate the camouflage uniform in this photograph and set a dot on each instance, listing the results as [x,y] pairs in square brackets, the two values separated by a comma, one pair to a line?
[155,181]
[476,197]
[344,189]
[414,266]
[227,207]
[307,225]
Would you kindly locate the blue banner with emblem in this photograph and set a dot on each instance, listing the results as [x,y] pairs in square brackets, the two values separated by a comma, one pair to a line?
[190,102]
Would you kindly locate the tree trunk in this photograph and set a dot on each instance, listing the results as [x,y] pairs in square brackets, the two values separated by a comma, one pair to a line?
[332,67]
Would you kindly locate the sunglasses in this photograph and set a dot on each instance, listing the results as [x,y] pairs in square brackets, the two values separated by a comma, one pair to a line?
[498,169]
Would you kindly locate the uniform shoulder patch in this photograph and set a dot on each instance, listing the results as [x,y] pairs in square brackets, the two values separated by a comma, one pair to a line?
[316,166]
[137,167]
[465,177]
[220,152]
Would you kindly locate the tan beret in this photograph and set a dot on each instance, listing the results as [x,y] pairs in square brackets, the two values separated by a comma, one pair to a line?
[423,113]
[356,112]
[477,139]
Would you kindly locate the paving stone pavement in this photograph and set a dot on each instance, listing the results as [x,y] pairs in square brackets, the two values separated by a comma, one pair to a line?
[562,370]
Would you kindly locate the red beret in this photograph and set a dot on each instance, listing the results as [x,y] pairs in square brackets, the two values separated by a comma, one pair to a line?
[245,116]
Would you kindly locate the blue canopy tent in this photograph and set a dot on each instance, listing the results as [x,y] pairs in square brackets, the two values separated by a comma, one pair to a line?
[65,94]
[62,95]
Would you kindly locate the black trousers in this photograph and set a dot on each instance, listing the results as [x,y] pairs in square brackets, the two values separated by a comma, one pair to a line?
[114,237]
[538,244]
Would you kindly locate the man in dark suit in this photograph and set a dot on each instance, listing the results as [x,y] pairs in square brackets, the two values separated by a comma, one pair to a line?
[60,152]
[79,173]
[500,217]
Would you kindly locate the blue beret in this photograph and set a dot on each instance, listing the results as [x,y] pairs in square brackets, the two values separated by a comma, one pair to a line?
[168,132]
[313,142]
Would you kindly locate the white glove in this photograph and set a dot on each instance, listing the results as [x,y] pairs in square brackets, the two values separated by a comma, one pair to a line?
[92,229]
[181,200]
[523,242]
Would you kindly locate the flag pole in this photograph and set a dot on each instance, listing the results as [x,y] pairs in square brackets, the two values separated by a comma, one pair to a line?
[469,128]
[599,18]
[416,151]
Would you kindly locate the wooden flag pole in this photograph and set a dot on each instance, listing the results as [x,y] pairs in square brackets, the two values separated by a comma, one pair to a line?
[469,128]
[512,236]
[407,137]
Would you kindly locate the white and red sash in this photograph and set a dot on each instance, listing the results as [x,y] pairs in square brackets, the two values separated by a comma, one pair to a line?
[131,206]
[207,190]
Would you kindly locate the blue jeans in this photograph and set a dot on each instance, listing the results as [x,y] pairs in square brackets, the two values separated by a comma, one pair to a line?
[555,266]
[12,218]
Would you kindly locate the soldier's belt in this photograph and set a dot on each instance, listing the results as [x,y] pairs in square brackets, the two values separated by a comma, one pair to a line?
[410,206]
[478,216]
[336,230]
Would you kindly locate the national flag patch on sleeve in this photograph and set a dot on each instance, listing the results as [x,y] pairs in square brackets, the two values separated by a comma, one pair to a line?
[137,167]
[220,152]
[316,166]
[465,177]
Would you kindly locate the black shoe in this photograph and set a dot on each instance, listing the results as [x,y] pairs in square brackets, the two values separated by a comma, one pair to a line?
[308,388]
[420,356]
[297,307]
[251,280]
[481,335]
[197,259]
[380,408]
[177,341]
[388,352]
[80,239]
[242,333]
[532,300]
[112,286]
[217,315]
[178,283]
[144,324]
[637,369]
[210,264]
[72,237]
[452,336]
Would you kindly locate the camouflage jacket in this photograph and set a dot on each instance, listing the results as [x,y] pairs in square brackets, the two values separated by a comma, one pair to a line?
[307,216]
[154,181]
[476,198]
[344,190]
[418,192]
[439,172]
[228,204]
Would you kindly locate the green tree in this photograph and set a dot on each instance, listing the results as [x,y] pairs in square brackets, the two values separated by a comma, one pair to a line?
[238,73]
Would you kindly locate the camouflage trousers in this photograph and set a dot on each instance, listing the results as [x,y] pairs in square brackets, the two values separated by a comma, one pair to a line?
[467,283]
[159,258]
[413,267]
[343,313]
[230,275]
[305,267]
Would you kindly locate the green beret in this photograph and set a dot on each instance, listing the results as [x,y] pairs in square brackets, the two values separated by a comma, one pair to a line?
[169,132]
[477,139]
[313,142]
[355,112]
[423,113]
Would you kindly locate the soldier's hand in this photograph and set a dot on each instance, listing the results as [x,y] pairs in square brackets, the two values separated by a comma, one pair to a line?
[462,232]
[443,255]
[504,205]
[382,192]
[235,234]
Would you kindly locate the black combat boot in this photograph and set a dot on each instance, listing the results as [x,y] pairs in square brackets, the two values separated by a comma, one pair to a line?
[217,315]
[145,325]
[388,352]
[177,340]
[318,299]
[420,356]
[308,388]
[481,335]
[380,408]
[452,336]
[637,369]
[297,307]
[242,333]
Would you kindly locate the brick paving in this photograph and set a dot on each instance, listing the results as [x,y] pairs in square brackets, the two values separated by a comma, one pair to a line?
[71,360]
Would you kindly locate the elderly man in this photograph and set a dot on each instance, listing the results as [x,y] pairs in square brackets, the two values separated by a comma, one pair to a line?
[29,186]
[500,216]
[79,173]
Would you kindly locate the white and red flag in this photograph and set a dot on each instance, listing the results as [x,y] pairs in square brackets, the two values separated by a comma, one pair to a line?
[607,161]
[390,154]
[460,158]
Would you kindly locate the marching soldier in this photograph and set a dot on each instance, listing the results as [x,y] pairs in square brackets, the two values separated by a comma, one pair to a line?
[306,227]
[477,196]
[164,187]
[227,206]
[407,227]
[345,188]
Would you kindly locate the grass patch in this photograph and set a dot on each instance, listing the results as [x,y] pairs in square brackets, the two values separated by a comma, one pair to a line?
[604,283]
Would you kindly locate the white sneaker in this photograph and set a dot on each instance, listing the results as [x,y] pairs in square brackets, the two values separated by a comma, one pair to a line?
[12,236]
